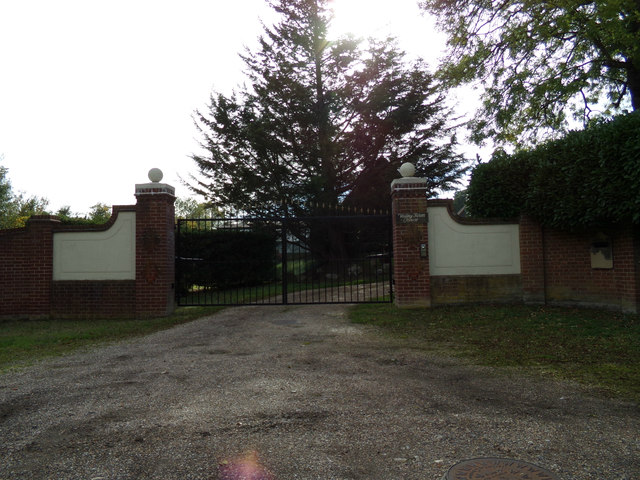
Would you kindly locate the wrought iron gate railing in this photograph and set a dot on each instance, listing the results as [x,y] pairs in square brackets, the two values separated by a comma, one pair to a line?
[240,261]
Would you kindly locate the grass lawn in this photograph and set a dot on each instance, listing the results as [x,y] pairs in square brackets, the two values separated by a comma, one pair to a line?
[594,347]
[24,341]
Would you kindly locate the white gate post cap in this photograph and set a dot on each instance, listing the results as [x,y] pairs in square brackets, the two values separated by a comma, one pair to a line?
[408,181]
[155,187]
[407,170]
[155,175]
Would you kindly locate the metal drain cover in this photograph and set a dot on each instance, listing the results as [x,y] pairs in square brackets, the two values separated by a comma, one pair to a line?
[497,469]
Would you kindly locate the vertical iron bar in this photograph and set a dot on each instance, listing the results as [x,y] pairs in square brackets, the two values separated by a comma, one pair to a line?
[178,269]
[285,225]
[390,256]
[198,292]
[312,256]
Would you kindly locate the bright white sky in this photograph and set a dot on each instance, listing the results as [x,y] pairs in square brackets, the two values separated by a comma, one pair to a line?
[94,93]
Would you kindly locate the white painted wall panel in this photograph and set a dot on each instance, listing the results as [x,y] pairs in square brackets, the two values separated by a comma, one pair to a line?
[461,249]
[106,255]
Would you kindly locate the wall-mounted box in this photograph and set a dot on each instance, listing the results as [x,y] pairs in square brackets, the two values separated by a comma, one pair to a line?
[601,253]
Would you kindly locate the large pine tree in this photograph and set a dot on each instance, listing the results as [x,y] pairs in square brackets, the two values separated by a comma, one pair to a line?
[322,121]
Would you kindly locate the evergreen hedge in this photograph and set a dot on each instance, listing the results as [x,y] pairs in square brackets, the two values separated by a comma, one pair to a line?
[227,258]
[588,178]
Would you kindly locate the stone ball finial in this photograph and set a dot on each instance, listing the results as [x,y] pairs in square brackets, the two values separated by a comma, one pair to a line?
[407,170]
[155,175]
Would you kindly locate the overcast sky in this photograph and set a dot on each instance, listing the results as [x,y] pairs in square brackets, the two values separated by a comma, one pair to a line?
[94,93]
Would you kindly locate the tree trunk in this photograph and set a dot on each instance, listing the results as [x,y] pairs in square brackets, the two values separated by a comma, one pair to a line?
[633,83]
[324,141]
[633,62]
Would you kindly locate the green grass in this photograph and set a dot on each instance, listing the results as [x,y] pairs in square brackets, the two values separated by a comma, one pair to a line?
[595,347]
[23,342]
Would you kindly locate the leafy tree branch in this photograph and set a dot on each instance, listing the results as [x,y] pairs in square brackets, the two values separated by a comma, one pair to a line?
[541,64]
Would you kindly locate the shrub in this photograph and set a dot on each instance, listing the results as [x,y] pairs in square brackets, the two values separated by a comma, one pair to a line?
[227,258]
[497,188]
[588,178]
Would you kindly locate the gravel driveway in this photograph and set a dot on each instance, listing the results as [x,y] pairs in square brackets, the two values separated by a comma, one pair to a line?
[305,394]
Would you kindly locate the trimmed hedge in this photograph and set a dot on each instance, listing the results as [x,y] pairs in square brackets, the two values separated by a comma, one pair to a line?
[588,178]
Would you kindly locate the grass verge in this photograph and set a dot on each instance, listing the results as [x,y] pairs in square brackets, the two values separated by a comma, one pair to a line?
[23,342]
[594,347]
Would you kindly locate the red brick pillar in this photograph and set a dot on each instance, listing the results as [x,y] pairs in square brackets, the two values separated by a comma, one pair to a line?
[532,261]
[40,230]
[412,285]
[155,247]
[26,268]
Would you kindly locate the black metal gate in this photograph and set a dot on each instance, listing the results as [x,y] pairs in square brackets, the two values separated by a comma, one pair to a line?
[241,261]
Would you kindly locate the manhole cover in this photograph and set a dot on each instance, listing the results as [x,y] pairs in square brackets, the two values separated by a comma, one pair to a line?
[497,469]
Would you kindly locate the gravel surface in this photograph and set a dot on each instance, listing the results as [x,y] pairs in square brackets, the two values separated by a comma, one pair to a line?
[296,393]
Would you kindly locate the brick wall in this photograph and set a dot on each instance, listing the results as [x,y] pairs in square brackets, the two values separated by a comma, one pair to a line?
[93,299]
[26,266]
[555,266]
[569,276]
[27,288]
[531,261]
[459,289]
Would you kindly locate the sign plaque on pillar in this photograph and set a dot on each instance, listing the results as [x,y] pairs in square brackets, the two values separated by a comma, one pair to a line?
[412,218]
